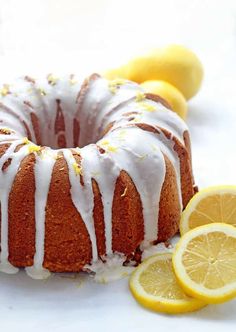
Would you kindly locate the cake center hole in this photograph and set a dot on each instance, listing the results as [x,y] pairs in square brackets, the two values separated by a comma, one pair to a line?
[64,130]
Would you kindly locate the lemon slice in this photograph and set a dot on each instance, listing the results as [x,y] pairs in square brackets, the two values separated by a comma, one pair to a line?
[155,286]
[204,262]
[213,204]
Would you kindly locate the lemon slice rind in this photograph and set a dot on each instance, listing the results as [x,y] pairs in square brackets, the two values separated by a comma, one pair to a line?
[192,288]
[196,199]
[158,303]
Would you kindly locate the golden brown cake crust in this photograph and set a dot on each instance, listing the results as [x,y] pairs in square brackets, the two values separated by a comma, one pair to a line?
[169,208]
[99,219]
[67,243]
[67,246]
[21,215]
[127,218]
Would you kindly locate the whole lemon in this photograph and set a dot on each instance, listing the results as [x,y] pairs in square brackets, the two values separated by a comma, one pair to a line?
[168,92]
[120,72]
[175,64]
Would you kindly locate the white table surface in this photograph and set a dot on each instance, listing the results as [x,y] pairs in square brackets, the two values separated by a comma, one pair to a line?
[61,36]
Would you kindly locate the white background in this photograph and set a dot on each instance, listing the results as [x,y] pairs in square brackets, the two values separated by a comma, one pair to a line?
[61,36]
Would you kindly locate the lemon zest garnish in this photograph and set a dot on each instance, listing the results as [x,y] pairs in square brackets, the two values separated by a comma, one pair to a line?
[124,193]
[6,130]
[118,81]
[154,147]
[5,90]
[147,107]
[113,89]
[111,148]
[136,119]
[114,84]
[77,169]
[52,80]
[143,157]
[122,133]
[103,281]
[34,148]
[105,142]
[139,96]
[25,140]
[73,81]
[42,92]
[108,147]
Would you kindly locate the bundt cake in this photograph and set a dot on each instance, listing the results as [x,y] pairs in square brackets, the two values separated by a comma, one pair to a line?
[88,170]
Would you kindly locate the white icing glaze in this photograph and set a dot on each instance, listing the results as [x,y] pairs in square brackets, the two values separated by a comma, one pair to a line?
[65,90]
[125,147]
[139,154]
[102,169]
[43,171]
[111,269]
[160,117]
[82,197]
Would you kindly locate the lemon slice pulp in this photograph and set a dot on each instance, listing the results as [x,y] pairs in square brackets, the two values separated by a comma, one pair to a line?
[204,262]
[213,204]
[154,285]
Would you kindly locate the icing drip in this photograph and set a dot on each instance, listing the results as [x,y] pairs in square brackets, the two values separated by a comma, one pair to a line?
[117,107]
[101,168]
[98,101]
[43,171]
[82,198]
[66,92]
[110,270]
[145,166]
[135,112]
[104,171]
